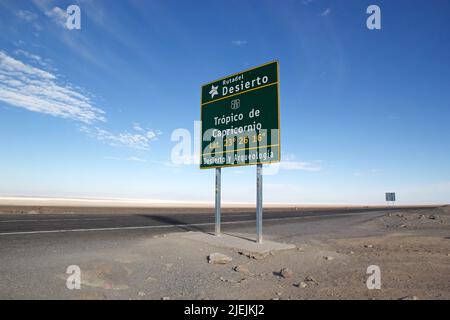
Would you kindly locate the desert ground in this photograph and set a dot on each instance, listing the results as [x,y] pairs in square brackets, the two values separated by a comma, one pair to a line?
[332,252]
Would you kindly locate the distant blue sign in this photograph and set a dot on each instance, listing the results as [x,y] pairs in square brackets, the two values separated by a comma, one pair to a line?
[390,196]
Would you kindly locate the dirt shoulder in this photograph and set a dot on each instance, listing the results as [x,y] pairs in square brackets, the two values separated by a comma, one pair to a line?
[412,250]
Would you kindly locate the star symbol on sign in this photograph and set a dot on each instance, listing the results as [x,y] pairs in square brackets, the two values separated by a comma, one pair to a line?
[214,91]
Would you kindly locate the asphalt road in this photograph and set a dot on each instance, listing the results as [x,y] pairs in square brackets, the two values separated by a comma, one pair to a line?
[16,225]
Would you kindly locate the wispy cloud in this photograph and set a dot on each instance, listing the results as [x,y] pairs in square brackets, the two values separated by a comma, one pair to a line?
[35,89]
[135,140]
[289,162]
[26,15]
[132,159]
[325,13]
[239,43]
[25,86]
[32,57]
[365,173]
[58,15]
[298,165]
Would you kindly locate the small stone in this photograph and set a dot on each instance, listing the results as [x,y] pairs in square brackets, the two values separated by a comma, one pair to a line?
[279,293]
[351,252]
[242,268]
[141,294]
[165,298]
[301,284]
[254,255]
[368,246]
[276,298]
[286,273]
[310,279]
[219,258]
[432,217]
[329,258]
[229,280]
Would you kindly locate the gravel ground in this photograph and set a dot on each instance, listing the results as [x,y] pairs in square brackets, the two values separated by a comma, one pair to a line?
[330,262]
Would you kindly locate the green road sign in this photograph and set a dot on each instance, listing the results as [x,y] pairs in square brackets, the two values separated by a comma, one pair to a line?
[241,119]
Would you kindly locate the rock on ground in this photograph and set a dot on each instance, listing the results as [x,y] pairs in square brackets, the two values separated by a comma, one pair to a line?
[286,273]
[242,268]
[219,258]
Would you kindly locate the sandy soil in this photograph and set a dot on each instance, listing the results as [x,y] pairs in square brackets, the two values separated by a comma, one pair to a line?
[412,251]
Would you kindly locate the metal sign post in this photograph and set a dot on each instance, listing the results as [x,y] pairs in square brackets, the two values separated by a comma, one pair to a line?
[217,213]
[259,205]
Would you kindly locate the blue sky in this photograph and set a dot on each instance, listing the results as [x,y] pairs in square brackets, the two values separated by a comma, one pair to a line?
[90,112]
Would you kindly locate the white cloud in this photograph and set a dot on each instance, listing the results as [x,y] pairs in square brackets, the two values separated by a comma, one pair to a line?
[58,15]
[26,15]
[289,162]
[299,165]
[137,159]
[31,57]
[133,159]
[325,13]
[35,89]
[137,127]
[135,140]
[239,43]
[29,17]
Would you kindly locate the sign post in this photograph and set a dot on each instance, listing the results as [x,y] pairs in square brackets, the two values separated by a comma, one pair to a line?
[217,211]
[240,125]
[259,200]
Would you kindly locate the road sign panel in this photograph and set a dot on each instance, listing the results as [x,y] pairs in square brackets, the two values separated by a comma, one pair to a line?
[390,196]
[240,119]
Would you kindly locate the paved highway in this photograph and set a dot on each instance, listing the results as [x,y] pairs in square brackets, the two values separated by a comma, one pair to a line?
[13,224]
